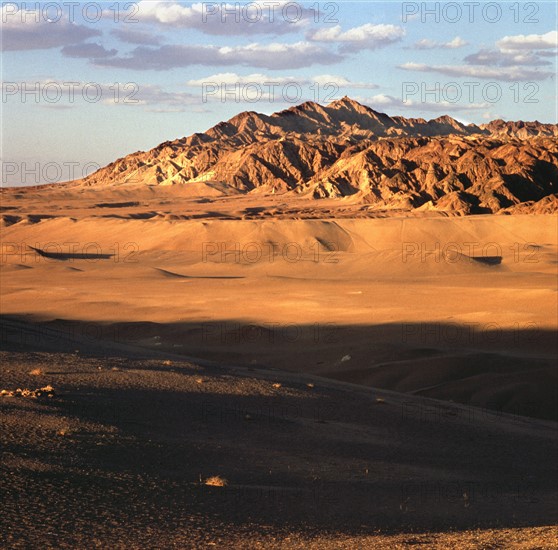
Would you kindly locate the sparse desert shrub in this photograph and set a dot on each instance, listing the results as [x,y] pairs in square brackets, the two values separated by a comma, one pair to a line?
[46,391]
[216,481]
[36,372]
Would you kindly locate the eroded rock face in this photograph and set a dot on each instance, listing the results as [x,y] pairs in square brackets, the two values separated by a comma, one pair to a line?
[347,149]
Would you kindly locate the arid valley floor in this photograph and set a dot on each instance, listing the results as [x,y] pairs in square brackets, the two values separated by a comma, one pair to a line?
[358,380]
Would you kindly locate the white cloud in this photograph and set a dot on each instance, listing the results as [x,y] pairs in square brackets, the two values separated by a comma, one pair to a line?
[529,41]
[510,74]
[220,18]
[457,42]
[427,44]
[365,37]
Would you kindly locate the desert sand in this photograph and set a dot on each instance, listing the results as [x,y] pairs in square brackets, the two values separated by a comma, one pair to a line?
[359,379]
[455,308]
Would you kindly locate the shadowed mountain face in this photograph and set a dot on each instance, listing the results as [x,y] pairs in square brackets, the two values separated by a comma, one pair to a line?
[346,149]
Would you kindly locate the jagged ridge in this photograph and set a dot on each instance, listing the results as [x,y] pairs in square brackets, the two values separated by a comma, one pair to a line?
[346,149]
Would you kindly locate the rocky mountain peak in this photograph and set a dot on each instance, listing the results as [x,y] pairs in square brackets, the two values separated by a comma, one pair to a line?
[346,149]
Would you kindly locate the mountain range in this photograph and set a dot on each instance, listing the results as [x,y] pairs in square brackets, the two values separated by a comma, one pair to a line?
[348,151]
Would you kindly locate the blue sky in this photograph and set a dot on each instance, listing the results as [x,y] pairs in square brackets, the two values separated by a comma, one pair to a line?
[154,71]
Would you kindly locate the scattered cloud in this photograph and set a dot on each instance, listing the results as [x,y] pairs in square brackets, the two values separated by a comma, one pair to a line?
[427,44]
[518,57]
[508,74]
[529,50]
[365,37]
[88,50]
[220,18]
[269,56]
[31,31]
[280,56]
[496,58]
[132,36]
[529,41]
[224,79]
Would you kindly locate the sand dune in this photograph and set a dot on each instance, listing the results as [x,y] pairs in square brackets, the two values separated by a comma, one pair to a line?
[418,304]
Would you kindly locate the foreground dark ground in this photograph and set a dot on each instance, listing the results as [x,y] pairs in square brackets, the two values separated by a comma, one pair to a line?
[119,455]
